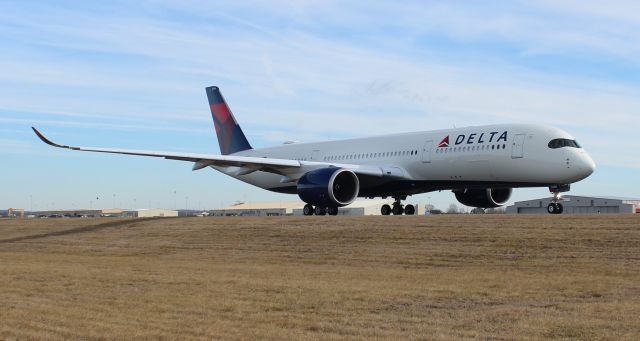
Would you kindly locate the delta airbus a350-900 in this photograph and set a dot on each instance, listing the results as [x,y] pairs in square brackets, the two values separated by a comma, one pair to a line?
[481,165]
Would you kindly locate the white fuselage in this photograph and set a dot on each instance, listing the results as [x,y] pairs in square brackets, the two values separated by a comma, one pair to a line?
[515,155]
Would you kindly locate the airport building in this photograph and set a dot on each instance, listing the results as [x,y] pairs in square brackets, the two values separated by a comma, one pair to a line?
[358,208]
[107,212]
[15,213]
[258,209]
[150,213]
[579,204]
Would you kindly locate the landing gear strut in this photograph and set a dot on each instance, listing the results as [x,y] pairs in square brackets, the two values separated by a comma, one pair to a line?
[555,207]
[398,208]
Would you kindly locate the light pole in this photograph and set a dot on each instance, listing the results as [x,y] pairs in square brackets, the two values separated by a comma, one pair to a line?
[186,203]
[175,205]
[30,203]
[114,200]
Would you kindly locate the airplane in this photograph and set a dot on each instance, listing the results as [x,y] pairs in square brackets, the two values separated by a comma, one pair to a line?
[480,164]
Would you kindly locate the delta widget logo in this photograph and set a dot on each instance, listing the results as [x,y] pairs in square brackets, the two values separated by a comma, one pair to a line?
[444,143]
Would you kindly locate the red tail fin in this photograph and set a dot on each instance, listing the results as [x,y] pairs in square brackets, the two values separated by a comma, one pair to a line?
[230,137]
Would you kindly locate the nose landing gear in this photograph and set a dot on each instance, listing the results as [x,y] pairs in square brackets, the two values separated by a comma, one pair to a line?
[555,207]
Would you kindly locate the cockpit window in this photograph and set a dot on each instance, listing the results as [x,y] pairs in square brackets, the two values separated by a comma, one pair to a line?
[559,143]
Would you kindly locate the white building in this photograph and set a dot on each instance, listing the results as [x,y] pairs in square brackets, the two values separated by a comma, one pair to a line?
[280,208]
[259,209]
[150,213]
[579,204]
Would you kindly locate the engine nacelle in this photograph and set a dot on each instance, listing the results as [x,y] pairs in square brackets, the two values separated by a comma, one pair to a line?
[484,198]
[327,187]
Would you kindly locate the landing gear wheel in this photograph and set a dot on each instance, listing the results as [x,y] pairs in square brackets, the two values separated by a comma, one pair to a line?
[319,210]
[385,210]
[555,208]
[409,210]
[307,209]
[397,210]
[332,210]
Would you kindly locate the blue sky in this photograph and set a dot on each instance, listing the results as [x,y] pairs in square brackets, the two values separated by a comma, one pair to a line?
[132,75]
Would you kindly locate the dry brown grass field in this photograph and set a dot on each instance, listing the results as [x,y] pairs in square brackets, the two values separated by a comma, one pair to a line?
[496,277]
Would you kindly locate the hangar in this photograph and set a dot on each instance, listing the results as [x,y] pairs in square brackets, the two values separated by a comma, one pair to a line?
[150,213]
[107,212]
[258,209]
[261,209]
[579,204]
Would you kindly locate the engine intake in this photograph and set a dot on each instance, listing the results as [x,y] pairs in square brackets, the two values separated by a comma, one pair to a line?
[484,198]
[329,187]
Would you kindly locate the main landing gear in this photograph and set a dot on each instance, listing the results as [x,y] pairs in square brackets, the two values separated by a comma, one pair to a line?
[398,208]
[555,207]
[308,209]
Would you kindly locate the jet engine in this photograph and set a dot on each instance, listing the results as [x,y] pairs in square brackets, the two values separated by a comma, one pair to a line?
[329,187]
[483,198]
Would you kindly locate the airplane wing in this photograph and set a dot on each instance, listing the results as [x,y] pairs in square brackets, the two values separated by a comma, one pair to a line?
[291,169]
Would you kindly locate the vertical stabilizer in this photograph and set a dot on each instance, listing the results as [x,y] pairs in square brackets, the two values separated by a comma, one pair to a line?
[230,137]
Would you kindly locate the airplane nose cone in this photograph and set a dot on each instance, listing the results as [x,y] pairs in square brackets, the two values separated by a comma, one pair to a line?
[586,165]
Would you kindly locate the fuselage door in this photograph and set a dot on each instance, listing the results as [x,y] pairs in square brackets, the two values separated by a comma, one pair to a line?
[518,146]
[426,151]
[315,156]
